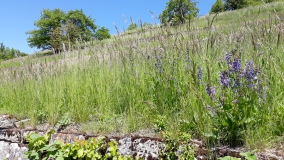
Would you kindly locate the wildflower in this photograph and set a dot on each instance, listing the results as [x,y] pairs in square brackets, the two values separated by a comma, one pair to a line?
[158,64]
[200,74]
[236,65]
[249,71]
[241,74]
[228,57]
[250,85]
[187,62]
[225,79]
[211,91]
[250,74]
[237,85]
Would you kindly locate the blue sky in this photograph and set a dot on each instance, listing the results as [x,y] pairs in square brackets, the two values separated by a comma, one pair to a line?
[18,16]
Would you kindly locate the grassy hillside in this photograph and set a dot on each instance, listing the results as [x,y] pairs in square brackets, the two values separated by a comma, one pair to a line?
[220,78]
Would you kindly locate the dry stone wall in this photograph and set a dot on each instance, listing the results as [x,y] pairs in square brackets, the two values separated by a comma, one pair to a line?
[13,144]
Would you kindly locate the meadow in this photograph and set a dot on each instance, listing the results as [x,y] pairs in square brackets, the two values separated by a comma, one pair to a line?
[219,78]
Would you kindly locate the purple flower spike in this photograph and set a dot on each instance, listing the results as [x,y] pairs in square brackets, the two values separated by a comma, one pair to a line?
[200,74]
[250,85]
[228,57]
[225,79]
[237,84]
[211,91]
[236,65]
[249,71]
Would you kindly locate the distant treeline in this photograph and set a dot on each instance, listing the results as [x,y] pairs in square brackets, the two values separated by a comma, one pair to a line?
[229,5]
[9,53]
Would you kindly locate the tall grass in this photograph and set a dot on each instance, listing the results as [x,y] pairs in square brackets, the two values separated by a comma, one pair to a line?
[159,78]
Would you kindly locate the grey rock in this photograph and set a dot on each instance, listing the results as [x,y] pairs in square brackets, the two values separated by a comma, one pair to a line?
[12,151]
[142,147]
[11,135]
[7,121]
[66,138]
[22,123]
[124,147]
[269,156]
[148,149]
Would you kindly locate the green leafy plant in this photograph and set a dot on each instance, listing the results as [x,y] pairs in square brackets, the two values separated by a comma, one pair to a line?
[177,146]
[160,124]
[36,143]
[64,121]
[93,148]
[40,116]
[242,95]
[249,155]
[246,155]
[229,158]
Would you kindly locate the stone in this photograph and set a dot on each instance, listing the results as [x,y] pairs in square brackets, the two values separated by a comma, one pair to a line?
[13,144]
[7,121]
[11,135]
[22,123]
[66,138]
[12,151]
[147,148]
[124,147]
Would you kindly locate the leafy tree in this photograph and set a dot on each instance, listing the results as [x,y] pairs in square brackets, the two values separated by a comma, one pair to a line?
[48,22]
[147,25]
[218,6]
[178,11]
[85,24]
[265,1]
[71,33]
[2,47]
[102,33]
[238,4]
[132,26]
[55,27]
[235,4]
[7,53]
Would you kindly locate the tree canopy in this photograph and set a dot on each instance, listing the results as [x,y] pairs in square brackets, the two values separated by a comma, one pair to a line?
[132,26]
[9,53]
[102,33]
[178,11]
[57,28]
[238,4]
[218,6]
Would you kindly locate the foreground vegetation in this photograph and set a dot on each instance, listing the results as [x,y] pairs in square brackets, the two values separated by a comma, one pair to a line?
[219,78]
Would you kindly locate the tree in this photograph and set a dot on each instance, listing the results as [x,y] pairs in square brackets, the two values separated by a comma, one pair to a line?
[257,2]
[85,24]
[147,25]
[55,28]
[2,47]
[238,4]
[102,33]
[132,26]
[217,7]
[48,22]
[7,53]
[178,11]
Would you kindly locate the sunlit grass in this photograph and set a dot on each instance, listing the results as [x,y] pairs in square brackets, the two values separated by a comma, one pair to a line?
[150,79]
